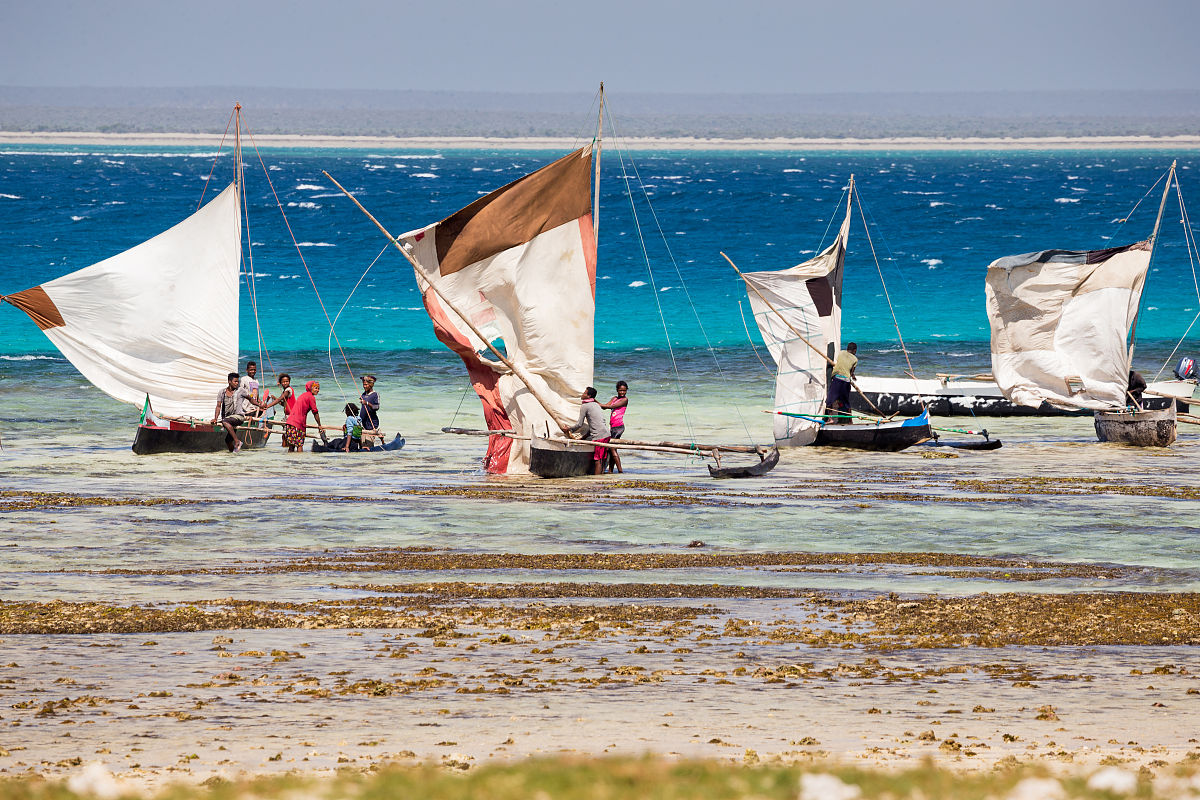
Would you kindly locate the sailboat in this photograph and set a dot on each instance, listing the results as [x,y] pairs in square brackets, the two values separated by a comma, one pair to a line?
[1064,325]
[156,326]
[799,313]
[516,269]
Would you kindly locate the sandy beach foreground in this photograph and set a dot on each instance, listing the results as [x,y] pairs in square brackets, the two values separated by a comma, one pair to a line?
[85,138]
[455,671]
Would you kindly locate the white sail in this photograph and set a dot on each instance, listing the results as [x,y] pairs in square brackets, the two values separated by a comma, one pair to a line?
[1060,324]
[520,263]
[806,300]
[158,320]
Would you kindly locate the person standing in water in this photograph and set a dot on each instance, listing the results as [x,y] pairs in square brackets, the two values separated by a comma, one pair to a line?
[838,401]
[369,414]
[616,422]
[297,419]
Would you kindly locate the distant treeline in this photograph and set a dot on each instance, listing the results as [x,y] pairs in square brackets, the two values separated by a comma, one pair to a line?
[279,111]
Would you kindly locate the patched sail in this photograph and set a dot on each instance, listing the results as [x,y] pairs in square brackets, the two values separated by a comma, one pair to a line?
[1060,324]
[520,264]
[158,320]
[791,306]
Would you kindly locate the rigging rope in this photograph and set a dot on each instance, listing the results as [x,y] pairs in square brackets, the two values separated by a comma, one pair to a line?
[239,178]
[682,281]
[329,341]
[248,261]
[749,338]
[304,263]
[653,287]
[1189,239]
[213,168]
[886,295]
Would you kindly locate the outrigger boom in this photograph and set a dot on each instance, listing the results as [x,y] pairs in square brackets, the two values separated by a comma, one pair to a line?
[629,444]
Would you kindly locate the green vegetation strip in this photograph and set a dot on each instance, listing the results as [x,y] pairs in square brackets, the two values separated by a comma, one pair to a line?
[660,779]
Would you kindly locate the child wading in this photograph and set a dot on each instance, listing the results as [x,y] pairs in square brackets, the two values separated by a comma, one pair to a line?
[352,429]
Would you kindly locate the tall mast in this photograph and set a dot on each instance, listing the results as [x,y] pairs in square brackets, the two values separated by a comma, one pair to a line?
[1153,240]
[596,182]
[237,147]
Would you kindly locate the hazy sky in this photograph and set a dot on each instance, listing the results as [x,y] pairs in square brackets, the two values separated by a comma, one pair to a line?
[569,45]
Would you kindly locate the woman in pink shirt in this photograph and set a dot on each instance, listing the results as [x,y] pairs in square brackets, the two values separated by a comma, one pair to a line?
[617,422]
[297,418]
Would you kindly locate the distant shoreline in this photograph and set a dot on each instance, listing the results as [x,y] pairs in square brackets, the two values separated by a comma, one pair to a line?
[9,138]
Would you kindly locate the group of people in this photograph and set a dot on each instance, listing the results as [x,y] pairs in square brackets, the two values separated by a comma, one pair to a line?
[596,428]
[239,403]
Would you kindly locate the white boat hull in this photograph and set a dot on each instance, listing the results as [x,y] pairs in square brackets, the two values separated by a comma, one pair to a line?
[952,398]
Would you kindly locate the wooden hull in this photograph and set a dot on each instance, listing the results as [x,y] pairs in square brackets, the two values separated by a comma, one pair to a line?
[885,436]
[1137,428]
[395,445]
[753,471]
[550,458]
[184,438]
[950,398]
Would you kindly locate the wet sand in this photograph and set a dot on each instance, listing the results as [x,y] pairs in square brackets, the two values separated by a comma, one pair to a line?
[462,672]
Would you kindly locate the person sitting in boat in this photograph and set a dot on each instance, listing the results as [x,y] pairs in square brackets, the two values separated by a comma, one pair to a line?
[1137,385]
[352,429]
[616,423]
[369,414]
[838,401]
[232,408]
[592,425]
[297,419]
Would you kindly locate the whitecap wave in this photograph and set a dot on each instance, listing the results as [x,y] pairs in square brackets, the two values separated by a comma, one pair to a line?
[932,262]
[936,203]
[314,244]
[637,284]
[793,169]
[1066,199]
[304,204]
[29,358]
[9,196]
[75,218]
[310,187]
[424,175]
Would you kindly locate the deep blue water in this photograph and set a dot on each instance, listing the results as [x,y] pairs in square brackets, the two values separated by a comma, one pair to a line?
[936,221]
